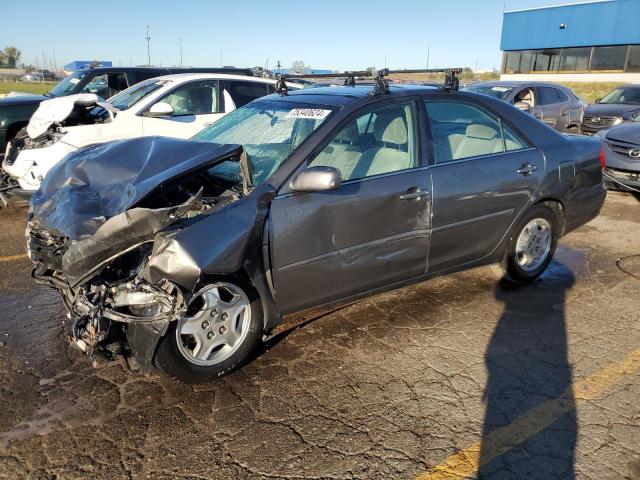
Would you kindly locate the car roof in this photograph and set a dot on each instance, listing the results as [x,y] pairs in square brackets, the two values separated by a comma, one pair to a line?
[514,83]
[344,95]
[180,77]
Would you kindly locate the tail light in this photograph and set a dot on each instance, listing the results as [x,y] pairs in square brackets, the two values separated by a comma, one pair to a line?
[603,158]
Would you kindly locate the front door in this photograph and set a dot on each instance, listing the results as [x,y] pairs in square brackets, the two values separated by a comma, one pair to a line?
[195,105]
[371,232]
[484,176]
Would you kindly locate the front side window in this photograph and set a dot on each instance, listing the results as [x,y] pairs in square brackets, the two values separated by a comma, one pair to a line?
[383,140]
[194,98]
[461,130]
[270,131]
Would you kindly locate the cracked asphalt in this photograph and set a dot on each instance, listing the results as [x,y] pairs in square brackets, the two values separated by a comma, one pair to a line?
[458,376]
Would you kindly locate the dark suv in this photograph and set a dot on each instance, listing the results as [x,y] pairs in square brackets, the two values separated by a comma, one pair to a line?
[620,105]
[105,82]
[554,104]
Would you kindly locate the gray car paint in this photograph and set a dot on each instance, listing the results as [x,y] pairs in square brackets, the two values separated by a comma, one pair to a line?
[561,116]
[309,249]
[622,146]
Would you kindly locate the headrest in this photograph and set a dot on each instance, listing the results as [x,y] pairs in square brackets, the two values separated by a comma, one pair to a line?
[390,127]
[349,133]
[476,130]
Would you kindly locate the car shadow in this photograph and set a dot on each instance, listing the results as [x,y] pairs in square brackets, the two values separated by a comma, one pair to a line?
[529,375]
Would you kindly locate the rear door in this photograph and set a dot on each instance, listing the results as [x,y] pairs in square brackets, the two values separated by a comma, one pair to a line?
[550,103]
[484,176]
[373,231]
[195,104]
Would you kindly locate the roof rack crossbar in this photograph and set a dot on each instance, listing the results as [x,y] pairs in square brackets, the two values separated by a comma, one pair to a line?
[381,84]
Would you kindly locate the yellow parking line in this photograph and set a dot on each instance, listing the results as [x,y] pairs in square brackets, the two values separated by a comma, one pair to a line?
[467,461]
[11,258]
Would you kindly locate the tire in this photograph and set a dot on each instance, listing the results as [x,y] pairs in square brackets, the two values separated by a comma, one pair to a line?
[182,352]
[525,261]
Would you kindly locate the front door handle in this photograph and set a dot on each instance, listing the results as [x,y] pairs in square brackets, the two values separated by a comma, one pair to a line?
[414,194]
[526,169]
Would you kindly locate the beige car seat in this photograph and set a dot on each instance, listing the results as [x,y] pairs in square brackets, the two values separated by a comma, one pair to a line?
[478,140]
[526,96]
[343,152]
[390,130]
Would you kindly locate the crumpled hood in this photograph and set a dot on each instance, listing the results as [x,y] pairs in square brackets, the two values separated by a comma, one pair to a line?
[610,109]
[55,111]
[627,132]
[98,182]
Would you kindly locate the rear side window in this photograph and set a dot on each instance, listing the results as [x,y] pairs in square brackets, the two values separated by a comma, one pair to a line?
[461,130]
[549,96]
[245,92]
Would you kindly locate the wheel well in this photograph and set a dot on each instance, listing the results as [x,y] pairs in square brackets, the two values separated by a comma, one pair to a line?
[557,208]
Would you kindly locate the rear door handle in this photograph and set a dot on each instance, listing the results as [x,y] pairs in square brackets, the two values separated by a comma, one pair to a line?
[526,169]
[414,193]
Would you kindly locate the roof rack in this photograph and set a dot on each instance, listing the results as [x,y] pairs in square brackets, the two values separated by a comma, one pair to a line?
[380,83]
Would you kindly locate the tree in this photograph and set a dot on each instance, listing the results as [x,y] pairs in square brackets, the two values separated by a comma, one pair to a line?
[3,58]
[12,55]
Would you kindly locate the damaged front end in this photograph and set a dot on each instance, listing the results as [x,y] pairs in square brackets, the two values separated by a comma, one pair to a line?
[103,241]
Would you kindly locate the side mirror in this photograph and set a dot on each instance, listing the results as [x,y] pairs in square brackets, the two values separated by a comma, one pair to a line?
[317,179]
[524,106]
[598,100]
[160,109]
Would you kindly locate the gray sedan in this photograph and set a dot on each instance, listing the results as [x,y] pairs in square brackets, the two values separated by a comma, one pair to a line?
[554,104]
[190,253]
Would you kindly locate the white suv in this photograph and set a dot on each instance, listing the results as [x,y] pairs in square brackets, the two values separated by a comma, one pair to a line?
[173,105]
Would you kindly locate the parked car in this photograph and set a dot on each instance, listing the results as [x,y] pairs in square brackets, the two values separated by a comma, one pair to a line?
[620,105]
[194,250]
[622,145]
[16,111]
[555,105]
[173,105]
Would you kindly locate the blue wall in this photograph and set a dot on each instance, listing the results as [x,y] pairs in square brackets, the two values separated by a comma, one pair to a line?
[615,22]
[80,64]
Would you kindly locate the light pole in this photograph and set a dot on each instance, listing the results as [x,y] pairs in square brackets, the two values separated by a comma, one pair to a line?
[148,39]
[385,60]
[428,53]
[180,40]
[221,62]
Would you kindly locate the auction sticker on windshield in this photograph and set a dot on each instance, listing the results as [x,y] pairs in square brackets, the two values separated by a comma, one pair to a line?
[313,113]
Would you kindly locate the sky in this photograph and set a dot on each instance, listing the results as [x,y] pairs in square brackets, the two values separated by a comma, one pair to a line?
[333,34]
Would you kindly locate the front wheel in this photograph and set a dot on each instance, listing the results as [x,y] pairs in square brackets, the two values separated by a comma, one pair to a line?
[218,334]
[531,246]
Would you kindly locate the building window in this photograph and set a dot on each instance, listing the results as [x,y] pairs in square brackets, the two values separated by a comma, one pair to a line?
[512,62]
[526,62]
[575,59]
[609,58]
[633,65]
[547,61]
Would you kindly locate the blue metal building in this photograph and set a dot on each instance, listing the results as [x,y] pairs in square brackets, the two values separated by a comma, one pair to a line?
[596,38]
[80,64]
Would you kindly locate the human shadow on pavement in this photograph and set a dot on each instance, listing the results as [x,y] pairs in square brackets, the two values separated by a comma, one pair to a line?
[530,423]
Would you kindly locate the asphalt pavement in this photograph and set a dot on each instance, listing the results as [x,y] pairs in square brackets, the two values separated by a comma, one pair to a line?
[457,377]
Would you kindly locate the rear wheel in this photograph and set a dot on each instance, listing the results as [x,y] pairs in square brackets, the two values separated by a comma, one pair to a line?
[217,335]
[531,246]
